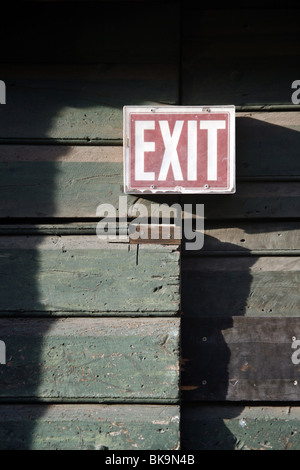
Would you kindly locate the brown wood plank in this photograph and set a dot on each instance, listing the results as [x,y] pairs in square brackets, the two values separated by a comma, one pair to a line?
[99,360]
[240,286]
[246,238]
[240,359]
[89,427]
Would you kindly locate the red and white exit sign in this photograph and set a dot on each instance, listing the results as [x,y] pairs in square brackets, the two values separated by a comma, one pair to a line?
[179,149]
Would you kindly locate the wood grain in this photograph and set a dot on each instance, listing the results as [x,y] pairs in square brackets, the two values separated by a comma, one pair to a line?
[249,237]
[80,104]
[240,286]
[238,427]
[240,359]
[71,181]
[255,200]
[89,427]
[85,275]
[99,360]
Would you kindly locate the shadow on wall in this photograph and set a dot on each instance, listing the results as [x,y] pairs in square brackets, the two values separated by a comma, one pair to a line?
[45,103]
[69,68]
[211,293]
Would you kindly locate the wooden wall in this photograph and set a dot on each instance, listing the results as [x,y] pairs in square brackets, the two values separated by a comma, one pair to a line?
[240,293]
[95,330]
[91,327]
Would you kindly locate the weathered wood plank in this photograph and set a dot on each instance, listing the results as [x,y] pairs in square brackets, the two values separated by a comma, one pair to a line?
[246,238]
[241,359]
[100,360]
[71,181]
[63,181]
[85,275]
[83,104]
[240,428]
[243,238]
[240,286]
[267,143]
[90,32]
[241,57]
[251,201]
[156,234]
[89,427]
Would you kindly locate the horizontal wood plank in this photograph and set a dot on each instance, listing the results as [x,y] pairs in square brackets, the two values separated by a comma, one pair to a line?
[240,286]
[85,275]
[266,144]
[259,200]
[243,238]
[71,181]
[240,359]
[99,360]
[82,104]
[239,427]
[247,238]
[241,57]
[89,427]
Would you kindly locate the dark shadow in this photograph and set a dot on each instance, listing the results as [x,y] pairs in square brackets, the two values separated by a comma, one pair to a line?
[33,66]
[211,294]
[213,291]
[61,62]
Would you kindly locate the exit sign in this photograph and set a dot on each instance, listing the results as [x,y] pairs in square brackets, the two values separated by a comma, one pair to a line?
[179,149]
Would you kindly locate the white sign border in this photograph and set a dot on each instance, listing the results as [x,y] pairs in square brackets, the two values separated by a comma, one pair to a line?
[230,109]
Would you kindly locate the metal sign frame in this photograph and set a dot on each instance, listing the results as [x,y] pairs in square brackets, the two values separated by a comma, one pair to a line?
[199,116]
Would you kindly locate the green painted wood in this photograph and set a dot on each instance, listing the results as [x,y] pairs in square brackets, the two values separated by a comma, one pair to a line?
[243,238]
[240,428]
[240,359]
[81,103]
[101,360]
[242,57]
[64,181]
[65,189]
[266,145]
[91,32]
[240,286]
[89,427]
[61,189]
[81,275]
